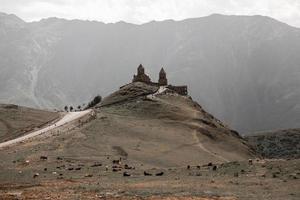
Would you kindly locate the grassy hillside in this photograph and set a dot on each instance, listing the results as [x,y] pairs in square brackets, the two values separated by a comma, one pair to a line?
[16,120]
[187,151]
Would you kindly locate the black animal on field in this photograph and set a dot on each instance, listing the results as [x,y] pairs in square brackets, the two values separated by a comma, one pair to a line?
[116,162]
[43,157]
[147,174]
[126,174]
[159,174]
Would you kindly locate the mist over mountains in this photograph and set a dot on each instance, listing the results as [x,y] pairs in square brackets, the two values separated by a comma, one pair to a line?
[243,69]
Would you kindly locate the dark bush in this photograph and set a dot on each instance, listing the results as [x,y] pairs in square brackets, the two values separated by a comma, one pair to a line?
[97,99]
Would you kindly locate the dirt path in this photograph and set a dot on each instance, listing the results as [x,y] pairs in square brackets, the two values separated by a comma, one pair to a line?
[200,145]
[66,119]
[198,142]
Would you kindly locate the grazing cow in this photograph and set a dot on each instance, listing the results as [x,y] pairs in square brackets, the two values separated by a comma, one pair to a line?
[126,174]
[159,174]
[147,174]
[214,167]
[188,167]
[116,169]
[43,157]
[116,162]
[250,161]
[36,175]
[127,167]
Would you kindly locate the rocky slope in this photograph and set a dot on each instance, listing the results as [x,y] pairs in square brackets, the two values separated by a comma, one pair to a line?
[242,69]
[276,144]
[145,129]
[17,120]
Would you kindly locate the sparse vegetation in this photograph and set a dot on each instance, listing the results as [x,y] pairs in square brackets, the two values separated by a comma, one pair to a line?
[97,99]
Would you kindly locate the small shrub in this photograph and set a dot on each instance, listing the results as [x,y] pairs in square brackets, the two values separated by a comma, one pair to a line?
[97,99]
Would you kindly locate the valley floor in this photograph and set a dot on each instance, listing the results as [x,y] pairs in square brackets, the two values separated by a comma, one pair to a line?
[82,179]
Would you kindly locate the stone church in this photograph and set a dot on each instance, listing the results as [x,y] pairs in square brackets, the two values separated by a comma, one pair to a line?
[162,81]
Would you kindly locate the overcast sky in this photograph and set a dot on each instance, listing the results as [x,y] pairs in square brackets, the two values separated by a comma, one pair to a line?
[140,11]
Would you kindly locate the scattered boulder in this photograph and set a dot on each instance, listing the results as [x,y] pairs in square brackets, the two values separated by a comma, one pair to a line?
[116,169]
[96,165]
[293,176]
[198,174]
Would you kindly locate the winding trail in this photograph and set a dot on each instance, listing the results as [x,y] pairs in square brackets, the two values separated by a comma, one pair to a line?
[200,145]
[198,142]
[69,117]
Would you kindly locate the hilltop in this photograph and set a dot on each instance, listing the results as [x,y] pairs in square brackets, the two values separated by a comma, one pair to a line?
[146,140]
[242,69]
[143,142]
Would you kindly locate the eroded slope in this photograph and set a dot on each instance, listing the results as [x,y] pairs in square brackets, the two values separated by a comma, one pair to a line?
[17,120]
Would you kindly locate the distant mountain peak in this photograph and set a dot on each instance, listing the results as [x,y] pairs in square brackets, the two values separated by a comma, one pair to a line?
[11,20]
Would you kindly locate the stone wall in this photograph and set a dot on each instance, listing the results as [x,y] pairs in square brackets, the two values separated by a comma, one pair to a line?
[182,90]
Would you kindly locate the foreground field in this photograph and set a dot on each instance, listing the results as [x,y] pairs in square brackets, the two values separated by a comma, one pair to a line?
[264,179]
[143,144]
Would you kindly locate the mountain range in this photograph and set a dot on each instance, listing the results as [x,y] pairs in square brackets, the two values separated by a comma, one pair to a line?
[245,70]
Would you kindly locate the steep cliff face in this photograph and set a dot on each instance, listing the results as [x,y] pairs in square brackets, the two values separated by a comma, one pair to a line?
[244,70]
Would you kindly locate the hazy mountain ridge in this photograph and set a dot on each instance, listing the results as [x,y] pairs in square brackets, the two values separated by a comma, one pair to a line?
[244,70]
